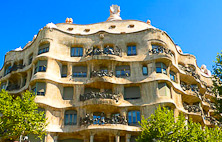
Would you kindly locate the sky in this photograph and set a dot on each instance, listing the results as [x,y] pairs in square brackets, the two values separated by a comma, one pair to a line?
[195,25]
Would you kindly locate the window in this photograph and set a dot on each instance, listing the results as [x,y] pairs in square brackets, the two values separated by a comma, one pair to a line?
[133,117]
[163,89]
[172,76]
[161,68]
[132,92]
[122,71]
[64,71]
[70,117]
[145,70]
[76,52]
[131,50]
[43,49]
[8,69]
[39,88]
[68,93]
[79,71]
[30,59]
[41,66]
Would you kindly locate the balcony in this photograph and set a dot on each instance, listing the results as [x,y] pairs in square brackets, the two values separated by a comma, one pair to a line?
[192,108]
[212,120]
[160,49]
[11,87]
[101,73]
[190,71]
[98,95]
[102,119]
[193,88]
[107,51]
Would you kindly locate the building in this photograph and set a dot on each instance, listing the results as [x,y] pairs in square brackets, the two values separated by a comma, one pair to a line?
[95,81]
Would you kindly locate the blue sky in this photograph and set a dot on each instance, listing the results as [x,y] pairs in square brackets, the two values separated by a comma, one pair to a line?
[195,25]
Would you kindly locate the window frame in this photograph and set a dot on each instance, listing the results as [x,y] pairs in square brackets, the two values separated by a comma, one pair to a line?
[163,68]
[173,76]
[130,118]
[43,49]
[79,74]
[123,72]
[70,114]
[76,51]
[131,50]
[145,74]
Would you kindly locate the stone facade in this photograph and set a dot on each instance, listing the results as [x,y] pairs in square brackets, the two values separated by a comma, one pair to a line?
[96,81]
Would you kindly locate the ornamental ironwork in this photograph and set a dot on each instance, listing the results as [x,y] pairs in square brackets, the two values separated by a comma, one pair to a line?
[101,73]
[212,120]
[192,108]
[107,51]
[98,95]
[190,71]
[102,119]
[193,88]
[161,49]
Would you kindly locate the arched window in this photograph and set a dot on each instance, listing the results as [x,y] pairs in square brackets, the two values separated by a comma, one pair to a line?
[161,68]
[70,117]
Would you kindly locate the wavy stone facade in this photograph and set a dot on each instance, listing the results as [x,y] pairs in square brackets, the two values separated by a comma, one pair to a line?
[95,81]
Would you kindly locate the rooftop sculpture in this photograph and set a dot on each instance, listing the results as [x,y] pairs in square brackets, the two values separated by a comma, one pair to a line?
[114,13]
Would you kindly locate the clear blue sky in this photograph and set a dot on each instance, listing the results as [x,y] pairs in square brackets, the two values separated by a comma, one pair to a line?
[195,25]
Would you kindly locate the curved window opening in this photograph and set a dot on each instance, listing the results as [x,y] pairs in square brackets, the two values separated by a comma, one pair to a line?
[43,48]
[161,68]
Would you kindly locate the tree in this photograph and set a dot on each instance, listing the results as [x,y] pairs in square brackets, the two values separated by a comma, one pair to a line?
[162,127]
[217,72]
[19,116]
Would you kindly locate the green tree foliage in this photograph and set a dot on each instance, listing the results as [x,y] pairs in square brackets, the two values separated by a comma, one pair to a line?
[162,127]
[19,116]
[217,71]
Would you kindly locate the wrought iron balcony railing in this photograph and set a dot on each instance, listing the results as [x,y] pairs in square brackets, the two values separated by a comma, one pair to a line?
[101,120]
[98,95]
[101,73]
[160,49]
[107,51]
[192,108]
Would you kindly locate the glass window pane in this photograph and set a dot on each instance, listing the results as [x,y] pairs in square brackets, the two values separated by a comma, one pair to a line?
[70,119]
[129,118]
[134,50]
[158,70]
[75,119]
[164,71]
[80,51]
[134,117]
[145,72]
[129,50]
[138,115]
[66,119]
[72,52]
[118,73]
